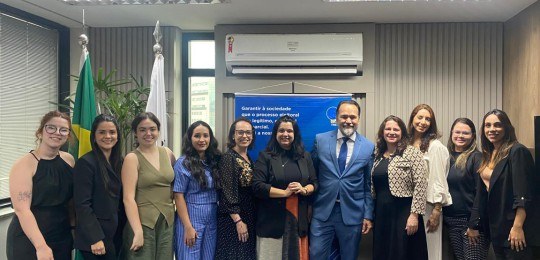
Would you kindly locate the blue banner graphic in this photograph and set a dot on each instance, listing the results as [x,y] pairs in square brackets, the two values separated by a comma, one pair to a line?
[314,114]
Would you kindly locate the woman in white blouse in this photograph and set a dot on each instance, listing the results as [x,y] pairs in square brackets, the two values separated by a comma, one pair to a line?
[423,130]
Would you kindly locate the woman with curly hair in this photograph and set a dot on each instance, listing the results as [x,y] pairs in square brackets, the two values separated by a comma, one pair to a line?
[195,182]
[424,135]
[399,190]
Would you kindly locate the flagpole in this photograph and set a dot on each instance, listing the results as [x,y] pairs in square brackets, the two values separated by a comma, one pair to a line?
[157,102]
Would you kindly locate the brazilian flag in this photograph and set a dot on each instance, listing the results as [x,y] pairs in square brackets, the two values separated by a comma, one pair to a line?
[84,110]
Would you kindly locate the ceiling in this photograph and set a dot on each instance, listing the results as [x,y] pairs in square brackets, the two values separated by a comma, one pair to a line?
[204,17]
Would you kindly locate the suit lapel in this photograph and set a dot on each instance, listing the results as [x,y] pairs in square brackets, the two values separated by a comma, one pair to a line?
[497,171]
[355,154]
[277,168]
[302,164]
[332,143]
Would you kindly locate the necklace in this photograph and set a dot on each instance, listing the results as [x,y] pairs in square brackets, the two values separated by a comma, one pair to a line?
[283,165]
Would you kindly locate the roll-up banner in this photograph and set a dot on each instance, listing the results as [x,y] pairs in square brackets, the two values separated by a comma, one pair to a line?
[314,114]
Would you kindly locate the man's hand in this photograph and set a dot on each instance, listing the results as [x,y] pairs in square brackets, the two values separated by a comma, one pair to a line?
[366,226]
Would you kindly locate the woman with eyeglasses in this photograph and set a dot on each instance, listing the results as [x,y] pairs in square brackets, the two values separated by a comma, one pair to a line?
[97,188]
[507,195]
[462,180]
[41,187]
[236,211]
[283,180]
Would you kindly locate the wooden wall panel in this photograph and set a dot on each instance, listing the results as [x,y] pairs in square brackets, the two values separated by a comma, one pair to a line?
[521,85]
[456,68]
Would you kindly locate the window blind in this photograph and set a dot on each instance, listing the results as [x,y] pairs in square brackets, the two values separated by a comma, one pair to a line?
[28,83]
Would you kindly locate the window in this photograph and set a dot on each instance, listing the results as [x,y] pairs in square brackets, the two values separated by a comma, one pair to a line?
[198,82]
[29,84]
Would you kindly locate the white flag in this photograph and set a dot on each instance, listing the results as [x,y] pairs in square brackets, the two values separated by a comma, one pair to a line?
[157,103]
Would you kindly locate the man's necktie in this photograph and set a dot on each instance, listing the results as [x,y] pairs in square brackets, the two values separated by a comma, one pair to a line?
[342,158]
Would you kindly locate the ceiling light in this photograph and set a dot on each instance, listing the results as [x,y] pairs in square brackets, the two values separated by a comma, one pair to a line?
[345,1]
[140,2]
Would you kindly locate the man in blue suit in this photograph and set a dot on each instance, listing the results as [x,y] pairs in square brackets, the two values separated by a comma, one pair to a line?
[343,205]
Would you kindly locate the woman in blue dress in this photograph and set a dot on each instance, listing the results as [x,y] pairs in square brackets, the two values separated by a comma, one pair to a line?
[196,175]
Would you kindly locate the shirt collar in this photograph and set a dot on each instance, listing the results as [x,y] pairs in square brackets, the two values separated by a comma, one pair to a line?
[340,135]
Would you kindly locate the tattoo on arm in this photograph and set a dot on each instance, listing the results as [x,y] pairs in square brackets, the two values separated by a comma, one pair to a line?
[24,196]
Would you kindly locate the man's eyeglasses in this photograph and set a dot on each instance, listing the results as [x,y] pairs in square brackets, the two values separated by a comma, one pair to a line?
[51,129]
[244,132]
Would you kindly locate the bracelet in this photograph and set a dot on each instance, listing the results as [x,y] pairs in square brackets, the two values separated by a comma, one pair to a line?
[438,207]
[237,221]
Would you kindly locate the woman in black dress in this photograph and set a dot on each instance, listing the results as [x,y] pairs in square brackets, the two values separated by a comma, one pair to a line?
[399,182]
[236,211]
[462,181]
[97,189]
[41,186]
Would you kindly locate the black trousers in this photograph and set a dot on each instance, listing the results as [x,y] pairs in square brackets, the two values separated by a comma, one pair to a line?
[506,253]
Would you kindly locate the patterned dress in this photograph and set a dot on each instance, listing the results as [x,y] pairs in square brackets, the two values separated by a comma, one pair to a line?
[236,197]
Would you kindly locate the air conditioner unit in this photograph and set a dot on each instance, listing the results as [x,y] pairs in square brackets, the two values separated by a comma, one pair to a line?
[328,53]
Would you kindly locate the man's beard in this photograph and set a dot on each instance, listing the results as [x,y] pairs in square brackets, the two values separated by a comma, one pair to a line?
[347,131]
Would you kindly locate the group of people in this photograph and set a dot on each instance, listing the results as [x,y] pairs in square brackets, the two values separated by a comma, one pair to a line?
[288,204]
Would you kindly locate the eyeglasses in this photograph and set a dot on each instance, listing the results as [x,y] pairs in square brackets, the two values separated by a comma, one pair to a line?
[244,132]
[464,133]
[51,129]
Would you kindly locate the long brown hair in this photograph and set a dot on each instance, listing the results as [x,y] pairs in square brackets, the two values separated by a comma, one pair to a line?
[509,139]
[431,133]
[381,143]
[461,160]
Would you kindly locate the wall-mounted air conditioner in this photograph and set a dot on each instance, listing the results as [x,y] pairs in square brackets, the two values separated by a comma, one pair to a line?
[328,53]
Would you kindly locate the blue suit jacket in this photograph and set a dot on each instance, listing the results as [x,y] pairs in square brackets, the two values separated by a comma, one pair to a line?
[353,185]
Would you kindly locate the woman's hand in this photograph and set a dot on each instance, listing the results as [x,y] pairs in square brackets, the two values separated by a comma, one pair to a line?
[241,229]
[517,239]
[412,224]
[98,248]
[473,235]
[190,236]
[433,222]
[44,253]
[138,240]
[296,187]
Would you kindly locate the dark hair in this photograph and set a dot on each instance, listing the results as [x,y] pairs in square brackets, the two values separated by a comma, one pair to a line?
[381,143]
[297,147]
[461,160]
[115,159]
[47,117]
[139,118]
[193,161]
[350,102]
[431,133]
[509,139]
[230,138]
